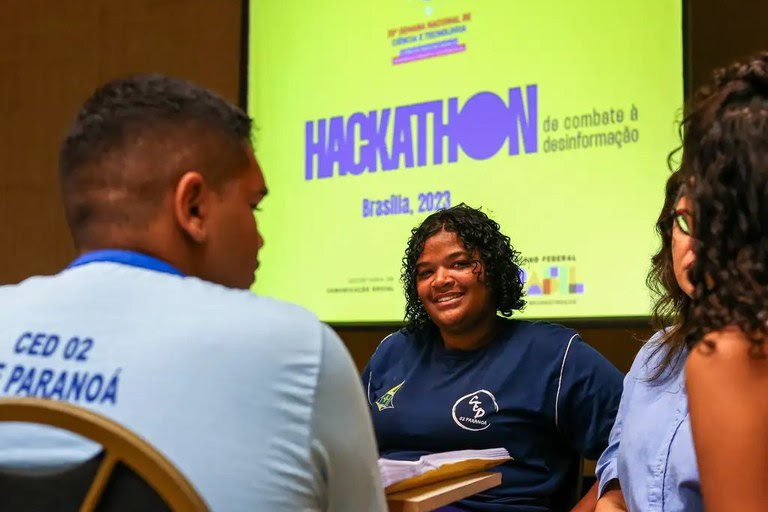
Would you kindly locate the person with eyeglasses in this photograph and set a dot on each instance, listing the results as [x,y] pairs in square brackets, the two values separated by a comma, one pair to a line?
[650,463]
[725,155]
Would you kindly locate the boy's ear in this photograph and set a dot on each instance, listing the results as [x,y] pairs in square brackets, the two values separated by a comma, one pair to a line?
[191,204]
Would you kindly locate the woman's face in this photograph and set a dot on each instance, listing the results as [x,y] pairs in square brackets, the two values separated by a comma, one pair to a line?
[451,284]
[682,245]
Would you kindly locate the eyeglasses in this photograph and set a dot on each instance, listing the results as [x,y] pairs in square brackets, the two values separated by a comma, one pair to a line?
[684,220]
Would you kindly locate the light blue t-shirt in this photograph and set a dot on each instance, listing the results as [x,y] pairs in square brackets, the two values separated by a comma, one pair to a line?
[651,448]
[254,400]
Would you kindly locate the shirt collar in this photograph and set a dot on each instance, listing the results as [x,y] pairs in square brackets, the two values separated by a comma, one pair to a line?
[124,257]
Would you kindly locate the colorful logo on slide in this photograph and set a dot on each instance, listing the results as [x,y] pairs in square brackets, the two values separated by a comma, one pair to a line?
[552,280]
[385,402]
[429,38]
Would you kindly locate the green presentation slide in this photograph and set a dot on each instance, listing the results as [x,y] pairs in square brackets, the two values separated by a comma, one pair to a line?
[555,117]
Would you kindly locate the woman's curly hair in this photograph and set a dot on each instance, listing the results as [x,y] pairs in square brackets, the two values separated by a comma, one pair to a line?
[478,233]
[670,308]
[725,156]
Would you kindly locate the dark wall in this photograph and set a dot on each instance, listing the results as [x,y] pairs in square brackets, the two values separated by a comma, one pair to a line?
[53,54]
[720,32]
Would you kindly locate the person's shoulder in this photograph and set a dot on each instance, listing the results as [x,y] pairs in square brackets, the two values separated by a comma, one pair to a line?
[729,342]
[728,349]
[544,342]
[29,282]
[244,298]
[395,345]
[7,290]
[544,334]
[255,326]
[396,340]
[649,359]
[657,342]
[727,369]
[30,287]
[249,306]
[551,342]
[210,309]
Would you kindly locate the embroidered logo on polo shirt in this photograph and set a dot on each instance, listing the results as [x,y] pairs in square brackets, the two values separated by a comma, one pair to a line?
[473,411]
[385,402]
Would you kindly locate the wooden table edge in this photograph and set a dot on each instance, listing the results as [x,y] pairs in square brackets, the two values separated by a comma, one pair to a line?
[438,494]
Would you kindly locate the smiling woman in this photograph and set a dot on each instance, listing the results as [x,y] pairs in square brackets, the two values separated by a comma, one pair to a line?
[460,253]
[450,278]
[461,376]
[452,289]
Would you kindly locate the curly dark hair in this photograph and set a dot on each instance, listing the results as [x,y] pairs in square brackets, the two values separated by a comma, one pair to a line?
[478,233]
[670,308]
[135,135]
[725,156]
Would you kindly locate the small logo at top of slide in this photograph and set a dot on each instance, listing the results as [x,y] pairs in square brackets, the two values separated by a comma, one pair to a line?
[473,411]
[385,402]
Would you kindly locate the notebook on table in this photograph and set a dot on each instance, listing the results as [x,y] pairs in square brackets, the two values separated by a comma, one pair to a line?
[399,475]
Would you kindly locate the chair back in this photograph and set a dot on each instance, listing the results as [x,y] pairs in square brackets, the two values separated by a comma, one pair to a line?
[128,474]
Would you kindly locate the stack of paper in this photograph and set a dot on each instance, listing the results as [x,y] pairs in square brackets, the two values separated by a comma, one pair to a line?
[399,475]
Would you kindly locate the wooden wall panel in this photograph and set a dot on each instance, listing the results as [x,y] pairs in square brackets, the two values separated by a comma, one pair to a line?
[52,56]
[721,32]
